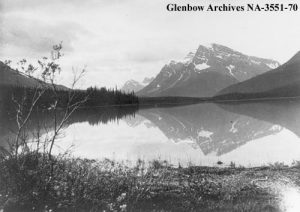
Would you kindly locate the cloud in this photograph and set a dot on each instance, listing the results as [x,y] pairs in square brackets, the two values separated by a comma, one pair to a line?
[36,36]
[144,57]
[123,39]
[152,55]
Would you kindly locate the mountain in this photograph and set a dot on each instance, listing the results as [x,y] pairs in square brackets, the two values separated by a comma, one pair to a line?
[148,80]
[283,81]
[133,85]
[205,72]
[11,77]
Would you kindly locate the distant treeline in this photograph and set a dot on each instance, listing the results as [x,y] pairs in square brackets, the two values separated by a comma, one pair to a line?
[93,97]
[94,110]
[105,96]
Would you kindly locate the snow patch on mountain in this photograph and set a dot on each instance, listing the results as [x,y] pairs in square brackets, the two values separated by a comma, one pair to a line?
[188,59]
[230,68]
[276,128]
[256,62]
[273,65]
[205,133]
[233,129]
[201,66]
[208,45]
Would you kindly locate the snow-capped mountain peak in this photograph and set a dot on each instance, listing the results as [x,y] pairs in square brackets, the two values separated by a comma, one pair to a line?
[132,85]
[213,61]
[135,86]
[232,62]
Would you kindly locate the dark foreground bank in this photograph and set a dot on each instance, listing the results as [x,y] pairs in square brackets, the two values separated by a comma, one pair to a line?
[36,183]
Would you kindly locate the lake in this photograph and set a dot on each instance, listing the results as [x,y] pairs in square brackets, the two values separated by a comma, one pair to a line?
[248,134]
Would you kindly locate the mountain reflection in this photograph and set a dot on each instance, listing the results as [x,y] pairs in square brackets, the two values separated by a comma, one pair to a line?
[214,128]
[284,113]
[209,127]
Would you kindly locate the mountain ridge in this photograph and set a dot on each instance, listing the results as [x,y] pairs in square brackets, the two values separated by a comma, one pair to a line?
[135,86]
[179,78]
[280,82]
[11,77]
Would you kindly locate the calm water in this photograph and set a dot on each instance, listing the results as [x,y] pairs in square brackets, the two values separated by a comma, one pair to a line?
[248,134]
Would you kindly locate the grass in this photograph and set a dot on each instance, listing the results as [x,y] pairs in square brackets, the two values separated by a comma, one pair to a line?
[34,183]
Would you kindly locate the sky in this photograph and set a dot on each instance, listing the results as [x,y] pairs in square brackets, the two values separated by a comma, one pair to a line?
[119,40]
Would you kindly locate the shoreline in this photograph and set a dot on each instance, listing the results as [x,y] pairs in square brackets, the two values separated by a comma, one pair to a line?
[90,185]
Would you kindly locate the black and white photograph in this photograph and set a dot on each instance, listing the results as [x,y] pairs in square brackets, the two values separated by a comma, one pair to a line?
[155,106]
